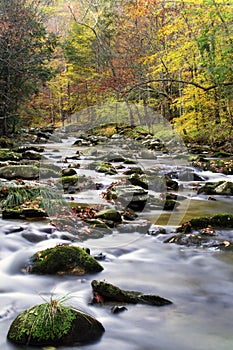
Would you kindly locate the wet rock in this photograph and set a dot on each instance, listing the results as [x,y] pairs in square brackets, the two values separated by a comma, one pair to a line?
[222,220]
[23,213]
[138,180]
[114,157]
[133,197]
[31,154]
[155,231]
[106,168]
[34,237]
[14,229]
[27,172]
[118,309]
[23,149]
[134,170]
[171,184]
[64,259]
[54,324]
[104,292]
[76,183]
[69,172]
[109,215]
[140,226]
[191,240]
[7,155]
[217,188]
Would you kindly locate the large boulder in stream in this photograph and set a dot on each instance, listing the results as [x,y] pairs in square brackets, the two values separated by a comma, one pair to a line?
[104,292]
[132,197]
[217,188]
[64,259]
[26,172]
[53,324]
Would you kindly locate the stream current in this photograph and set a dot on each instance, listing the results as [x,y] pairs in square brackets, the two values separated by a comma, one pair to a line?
[199,282]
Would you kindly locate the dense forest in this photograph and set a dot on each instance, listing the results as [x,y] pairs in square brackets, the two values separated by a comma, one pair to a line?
[59,58]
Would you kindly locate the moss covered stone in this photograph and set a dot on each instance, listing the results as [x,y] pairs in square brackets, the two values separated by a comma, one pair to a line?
[106,168]
[6,155]
[104,292]
[64,259]
[221,220]
[54,324]
[26,172]
[109,215]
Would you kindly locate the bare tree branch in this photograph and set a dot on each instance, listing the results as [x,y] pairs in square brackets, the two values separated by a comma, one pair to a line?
[185,82]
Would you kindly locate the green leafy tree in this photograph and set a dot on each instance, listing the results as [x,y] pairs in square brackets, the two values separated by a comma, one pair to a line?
[25,48]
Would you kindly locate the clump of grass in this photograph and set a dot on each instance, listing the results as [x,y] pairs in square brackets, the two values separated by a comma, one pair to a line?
[48,321]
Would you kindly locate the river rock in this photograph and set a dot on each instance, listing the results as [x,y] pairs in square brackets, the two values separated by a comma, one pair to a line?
[221,220]
[76,183]
[31,154]
[64,259]
[23,149]
[109,215]
[217,188]
[7,155]
[106,168]
[69,172]
[139,180]
[23,213]
[27,172]
[133,197]
[53,324]
[104,292]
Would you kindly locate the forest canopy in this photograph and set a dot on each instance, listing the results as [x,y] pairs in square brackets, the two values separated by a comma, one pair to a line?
[173,57]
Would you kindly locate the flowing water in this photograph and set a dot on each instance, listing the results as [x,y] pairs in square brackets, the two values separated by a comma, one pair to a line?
[198,281]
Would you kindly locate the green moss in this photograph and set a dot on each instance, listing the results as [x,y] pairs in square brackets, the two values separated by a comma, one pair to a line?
[47,321]
[106,168]
[64,259]
[222,220]
[110,293]
[9,155]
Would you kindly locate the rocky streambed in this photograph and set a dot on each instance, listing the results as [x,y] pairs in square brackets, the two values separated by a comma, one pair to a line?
[155,217]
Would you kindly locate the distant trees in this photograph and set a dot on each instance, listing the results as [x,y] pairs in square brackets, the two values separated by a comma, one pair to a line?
[25,48]
[174,57]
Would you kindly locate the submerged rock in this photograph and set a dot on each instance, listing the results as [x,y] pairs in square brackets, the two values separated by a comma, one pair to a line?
[104,292]
[54,324]
[64,259]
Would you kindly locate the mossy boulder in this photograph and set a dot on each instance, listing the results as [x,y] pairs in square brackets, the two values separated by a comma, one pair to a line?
[221,220]
[25,172]
[132,197]
[64,259]
[7,155]
[109,215]
[104,292]
[54,324]
[75,183]
[217,188]
[106,168]
[138,180]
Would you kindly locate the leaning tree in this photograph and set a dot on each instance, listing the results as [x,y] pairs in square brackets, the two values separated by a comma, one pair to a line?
[25,48]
